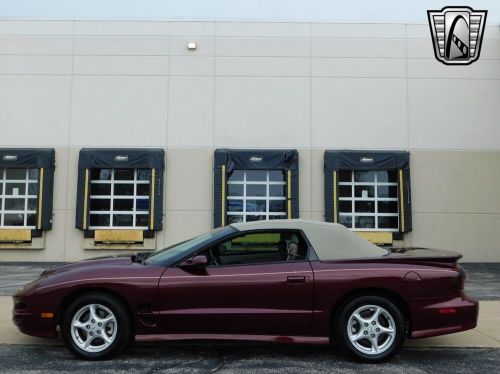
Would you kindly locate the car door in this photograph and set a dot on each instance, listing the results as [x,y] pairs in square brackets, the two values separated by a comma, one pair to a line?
[252,286]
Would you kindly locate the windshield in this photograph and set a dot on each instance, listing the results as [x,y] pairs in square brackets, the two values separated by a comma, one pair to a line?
[179,250]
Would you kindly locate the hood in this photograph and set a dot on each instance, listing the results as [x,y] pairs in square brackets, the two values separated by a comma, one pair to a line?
[93,263]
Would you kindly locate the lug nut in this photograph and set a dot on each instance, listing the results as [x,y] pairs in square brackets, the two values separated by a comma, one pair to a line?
[93,321]
[373,335]
[366,324]
[91,333]
[378,330]
[373,322]
[99,324]
[98,331]
[88,327]
[365,332]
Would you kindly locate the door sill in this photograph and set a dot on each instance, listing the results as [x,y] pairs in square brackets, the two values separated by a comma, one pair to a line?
[316,340]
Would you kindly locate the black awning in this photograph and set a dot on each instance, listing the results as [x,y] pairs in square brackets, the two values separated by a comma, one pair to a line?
[257,159]
[121,158]
[366,160]
[27,157]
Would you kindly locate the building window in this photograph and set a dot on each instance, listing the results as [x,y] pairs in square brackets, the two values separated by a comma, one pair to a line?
[255,195]
[119,198]
[368,200]
[18,197]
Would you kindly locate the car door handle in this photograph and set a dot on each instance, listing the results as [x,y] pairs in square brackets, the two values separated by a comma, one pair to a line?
[296,279]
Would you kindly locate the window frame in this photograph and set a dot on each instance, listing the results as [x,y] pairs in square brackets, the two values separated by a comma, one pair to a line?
[309,254]
[25,211]
[112,197]
[353,199]
[266,198]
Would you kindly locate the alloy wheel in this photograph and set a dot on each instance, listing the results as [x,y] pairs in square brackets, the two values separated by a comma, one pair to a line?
[371,329]
[93,328]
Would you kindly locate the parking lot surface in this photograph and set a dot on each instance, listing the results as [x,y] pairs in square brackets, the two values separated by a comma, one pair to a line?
[246,359]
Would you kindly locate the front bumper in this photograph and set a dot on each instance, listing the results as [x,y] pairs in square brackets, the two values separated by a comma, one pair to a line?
[29,320]
[440,317]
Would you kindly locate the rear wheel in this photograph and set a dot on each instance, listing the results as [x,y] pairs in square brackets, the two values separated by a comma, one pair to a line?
[96,326]
[371,328]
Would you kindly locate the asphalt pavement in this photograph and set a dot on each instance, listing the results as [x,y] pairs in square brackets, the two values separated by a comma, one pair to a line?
[246,359]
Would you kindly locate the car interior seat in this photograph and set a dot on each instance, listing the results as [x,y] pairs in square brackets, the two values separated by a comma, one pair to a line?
[292,251]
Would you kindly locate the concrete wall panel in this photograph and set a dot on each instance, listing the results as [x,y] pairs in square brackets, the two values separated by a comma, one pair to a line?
[454,113]
[353,47]
[357,30]
[192,65]
[262,112]
[191,108]
[119,111]
[359,67]
[121,65]
[476,236]
[36,27]
[263,47]
[121,28]
[356,113]
[36,45]
[121,45]
[263,66]
[35,65]
[192,28]
[455,182]
[34,110]
[266,29]
[189,179]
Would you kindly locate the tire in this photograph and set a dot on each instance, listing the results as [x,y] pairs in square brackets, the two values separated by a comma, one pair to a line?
[370,328]
[96,326]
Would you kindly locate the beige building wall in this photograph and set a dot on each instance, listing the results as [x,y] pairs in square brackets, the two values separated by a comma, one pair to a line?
[309,86]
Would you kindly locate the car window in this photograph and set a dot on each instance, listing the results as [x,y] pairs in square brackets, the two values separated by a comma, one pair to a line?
[182,249]
[259,247]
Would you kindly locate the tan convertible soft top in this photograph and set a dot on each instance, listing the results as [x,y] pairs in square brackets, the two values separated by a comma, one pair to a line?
[331,241]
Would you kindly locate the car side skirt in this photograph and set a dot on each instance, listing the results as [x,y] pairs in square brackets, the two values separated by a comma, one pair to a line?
[314,340]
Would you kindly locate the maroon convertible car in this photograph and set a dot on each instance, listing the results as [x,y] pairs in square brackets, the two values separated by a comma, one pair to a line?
[287,281]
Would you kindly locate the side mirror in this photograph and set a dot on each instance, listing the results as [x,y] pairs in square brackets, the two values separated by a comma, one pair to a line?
[196,262]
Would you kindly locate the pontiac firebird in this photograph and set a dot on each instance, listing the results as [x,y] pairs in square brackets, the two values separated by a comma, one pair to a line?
[285,281]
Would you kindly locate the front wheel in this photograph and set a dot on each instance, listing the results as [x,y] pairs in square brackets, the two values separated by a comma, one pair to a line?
[96,326]
[371,328]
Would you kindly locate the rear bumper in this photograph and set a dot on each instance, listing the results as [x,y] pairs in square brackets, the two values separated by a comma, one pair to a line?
[440,317]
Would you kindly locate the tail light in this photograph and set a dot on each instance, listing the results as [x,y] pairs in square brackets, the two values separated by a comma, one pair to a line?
[459,282]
